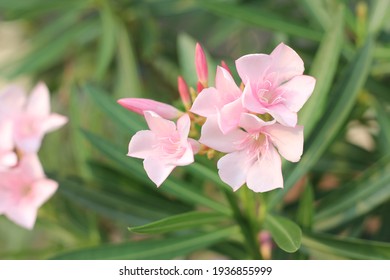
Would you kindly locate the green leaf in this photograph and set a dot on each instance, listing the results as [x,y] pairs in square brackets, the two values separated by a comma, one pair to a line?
[129,82]
[324,70]
[317,12]
[128,120]
[355,199]
[286,234]
[354,78]
[107,41]
[180,189]
[168,248]
[306,208]
[378,13]
[258,17]
[348,248]
[188,220]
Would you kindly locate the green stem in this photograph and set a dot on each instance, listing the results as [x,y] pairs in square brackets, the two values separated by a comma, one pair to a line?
[246,226]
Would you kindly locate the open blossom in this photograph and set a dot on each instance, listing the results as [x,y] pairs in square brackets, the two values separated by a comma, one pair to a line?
[252,157]
[223,100]
[23,189]
[8,157]
[277,84]
[30,116]
[164,146]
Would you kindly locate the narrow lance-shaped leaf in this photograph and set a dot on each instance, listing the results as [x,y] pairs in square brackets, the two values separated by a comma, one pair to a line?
[188,220]
[161,249]
[286,234]
[344,247]
[356,199]
[306,208]
[354,79]
[324,70]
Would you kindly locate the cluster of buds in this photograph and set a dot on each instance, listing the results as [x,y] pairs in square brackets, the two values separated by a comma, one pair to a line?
[23,123]
[248,126]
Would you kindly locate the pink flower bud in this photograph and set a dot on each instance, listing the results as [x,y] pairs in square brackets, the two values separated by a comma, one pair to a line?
[199,87]
[225,66]
[140,105]
[201,65]
[184,92]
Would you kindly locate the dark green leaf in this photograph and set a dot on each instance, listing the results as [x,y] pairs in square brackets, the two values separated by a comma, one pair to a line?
[168,248]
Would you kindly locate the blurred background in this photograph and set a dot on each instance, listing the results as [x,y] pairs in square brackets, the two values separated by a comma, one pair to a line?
[92,52]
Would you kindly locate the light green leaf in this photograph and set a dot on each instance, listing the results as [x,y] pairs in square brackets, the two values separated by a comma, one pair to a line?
[317,12]
[344,247]
[355,199]
[355,76]
[188,220]
[377,16]
[168,248]
[261,18]
[107,41]
[306,208]
[286,234]
[324,70]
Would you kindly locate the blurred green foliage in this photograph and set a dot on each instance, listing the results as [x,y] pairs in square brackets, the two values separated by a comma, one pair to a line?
[92,52]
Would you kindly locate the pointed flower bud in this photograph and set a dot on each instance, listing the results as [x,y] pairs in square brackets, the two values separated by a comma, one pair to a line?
[201,65]
[184,92]
[140,105]
[226,67]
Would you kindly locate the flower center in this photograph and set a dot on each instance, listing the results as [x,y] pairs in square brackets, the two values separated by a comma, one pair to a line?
[170,147]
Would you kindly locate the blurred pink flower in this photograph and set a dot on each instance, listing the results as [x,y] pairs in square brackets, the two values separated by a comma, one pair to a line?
[277,85]
[8,157]
[251,155]
[23,189]
[140,105]
[164,146]
[223,101]
[31,116]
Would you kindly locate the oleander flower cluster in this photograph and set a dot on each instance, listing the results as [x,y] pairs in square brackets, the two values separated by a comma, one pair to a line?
[24,120]
[248,126]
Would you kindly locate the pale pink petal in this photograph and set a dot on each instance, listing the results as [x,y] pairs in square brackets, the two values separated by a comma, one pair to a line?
[288,140]
[140,105]
[253,67]
[207,102]
[229,116]
[159,125]
[157,171]
[286,62]
[195,145]
[283,115]
[6,135]
[38,103]
[187,158]
[53,122]
[213,137]
[251,102]
[252,123]
[183,127]
[233,168]
[226,86]
[266,173]
[142,143]
[7,159]
[42,190]
[297,91]
[22,215]
[29,144]
[31,167]
[12,101]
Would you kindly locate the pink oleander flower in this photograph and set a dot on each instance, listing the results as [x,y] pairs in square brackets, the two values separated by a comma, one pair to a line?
[140,105]
[8,157]
[164,146]
[31,116]
[23,189]
[201,65]
[252,157]
[223,101]
[277,84]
